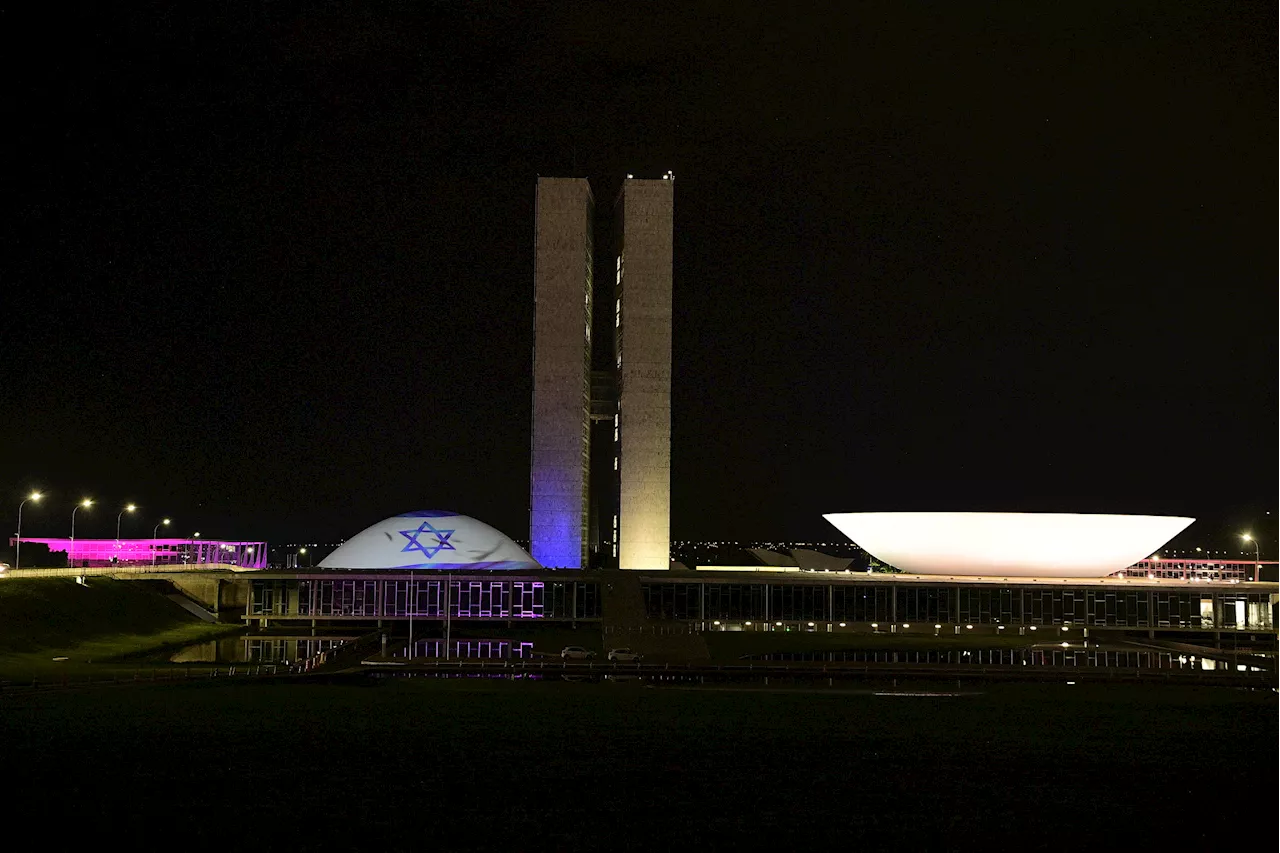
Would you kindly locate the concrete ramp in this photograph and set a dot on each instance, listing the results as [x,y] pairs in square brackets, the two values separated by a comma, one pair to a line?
[191,607]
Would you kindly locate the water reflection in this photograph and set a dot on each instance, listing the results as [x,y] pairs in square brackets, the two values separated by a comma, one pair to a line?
[254,648]
[1115,659]
[468,650]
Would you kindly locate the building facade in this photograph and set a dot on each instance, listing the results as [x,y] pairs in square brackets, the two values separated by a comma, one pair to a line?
[920,605]
[561,437]
[643,217]
[192,552]
[622,514]
[336,598]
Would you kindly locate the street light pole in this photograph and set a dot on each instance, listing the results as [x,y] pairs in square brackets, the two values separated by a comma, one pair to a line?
[154,545]
[34,496]
[119,516]
[129,508]
[1257,556]
[71,551]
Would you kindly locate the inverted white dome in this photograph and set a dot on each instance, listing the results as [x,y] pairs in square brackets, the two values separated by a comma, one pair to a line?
[430,539]
[1008,544]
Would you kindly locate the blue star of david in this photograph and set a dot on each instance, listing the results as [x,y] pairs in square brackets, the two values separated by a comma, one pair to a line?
[442,540]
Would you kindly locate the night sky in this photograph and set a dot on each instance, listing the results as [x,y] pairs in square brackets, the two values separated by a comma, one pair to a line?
[269,269]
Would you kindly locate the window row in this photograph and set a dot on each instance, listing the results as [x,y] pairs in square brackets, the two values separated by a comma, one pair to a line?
[428,599]
[976,605]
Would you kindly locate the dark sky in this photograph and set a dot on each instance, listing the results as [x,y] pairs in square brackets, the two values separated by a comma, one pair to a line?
[268,268]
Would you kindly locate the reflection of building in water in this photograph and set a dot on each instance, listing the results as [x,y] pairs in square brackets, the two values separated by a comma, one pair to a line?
[287,650]
[256,649]
[1073,656]
[468,649]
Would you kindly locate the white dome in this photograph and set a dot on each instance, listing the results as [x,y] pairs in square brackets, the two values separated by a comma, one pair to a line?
[430,539]
[1008,544]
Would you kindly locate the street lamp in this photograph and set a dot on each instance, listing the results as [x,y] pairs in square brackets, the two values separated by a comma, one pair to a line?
[154,531]
[34,496]
[304,551]
[194,537]
[120,515]
[129,508]
[1257,555]
[71,552]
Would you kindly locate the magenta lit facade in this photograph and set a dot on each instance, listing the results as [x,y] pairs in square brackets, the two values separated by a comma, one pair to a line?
[97,553]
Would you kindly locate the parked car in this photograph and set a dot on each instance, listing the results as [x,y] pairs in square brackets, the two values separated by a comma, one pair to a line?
[576,653]
[624,656]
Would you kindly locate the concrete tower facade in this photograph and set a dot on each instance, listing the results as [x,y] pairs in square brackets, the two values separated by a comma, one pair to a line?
[643,217]
[561,444]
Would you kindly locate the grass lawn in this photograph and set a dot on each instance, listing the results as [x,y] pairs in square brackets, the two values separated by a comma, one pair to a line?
[105,629]
[475,764]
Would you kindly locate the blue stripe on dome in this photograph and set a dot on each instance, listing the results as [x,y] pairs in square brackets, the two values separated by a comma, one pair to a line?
[427,513]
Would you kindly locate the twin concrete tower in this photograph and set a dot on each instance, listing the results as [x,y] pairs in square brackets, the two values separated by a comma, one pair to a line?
[582,511]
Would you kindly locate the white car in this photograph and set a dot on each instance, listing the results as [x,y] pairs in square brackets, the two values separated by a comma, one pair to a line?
[624,656]
[576,653]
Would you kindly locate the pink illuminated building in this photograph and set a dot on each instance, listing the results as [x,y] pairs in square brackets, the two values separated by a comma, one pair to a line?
[94,553]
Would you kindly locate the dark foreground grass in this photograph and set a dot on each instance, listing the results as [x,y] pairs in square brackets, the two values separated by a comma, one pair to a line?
[103,629]
[470,764]
[39,613]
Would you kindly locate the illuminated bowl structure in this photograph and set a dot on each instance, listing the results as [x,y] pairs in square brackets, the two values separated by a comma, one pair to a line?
[1008,544]
[433,540]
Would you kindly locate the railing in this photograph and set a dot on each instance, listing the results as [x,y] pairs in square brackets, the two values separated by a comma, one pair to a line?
[139,569]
